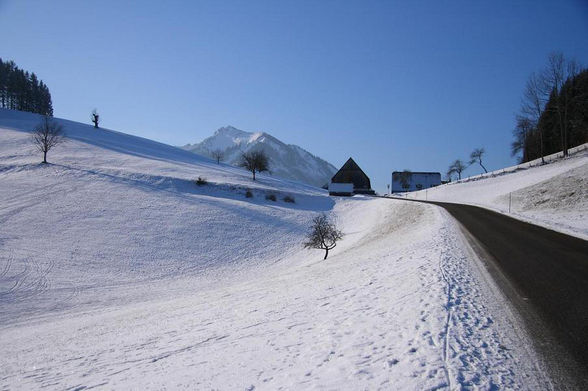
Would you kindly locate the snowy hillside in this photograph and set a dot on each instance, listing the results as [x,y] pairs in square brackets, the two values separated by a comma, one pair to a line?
[118,271]
[286,161]
[554,195]
[130,210]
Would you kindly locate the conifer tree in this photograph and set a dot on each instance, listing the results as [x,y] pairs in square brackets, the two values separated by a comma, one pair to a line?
[21,90]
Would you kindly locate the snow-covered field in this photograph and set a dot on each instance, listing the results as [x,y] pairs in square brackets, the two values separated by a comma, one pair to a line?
[554,195]
[116,270]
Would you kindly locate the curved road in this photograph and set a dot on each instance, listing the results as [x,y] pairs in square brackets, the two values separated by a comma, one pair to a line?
[545,275]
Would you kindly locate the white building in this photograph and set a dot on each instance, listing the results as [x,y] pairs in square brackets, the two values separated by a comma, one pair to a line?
[403,181]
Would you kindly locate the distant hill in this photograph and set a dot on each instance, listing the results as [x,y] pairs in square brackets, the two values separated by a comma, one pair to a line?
[286,161]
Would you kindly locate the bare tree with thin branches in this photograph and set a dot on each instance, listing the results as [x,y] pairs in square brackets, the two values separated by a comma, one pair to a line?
[559,69]
[46,135]
[323,234]
[549,101]
[457,167]
[535,98]
[217,155]
[521,133]
[254,161]
[476,157]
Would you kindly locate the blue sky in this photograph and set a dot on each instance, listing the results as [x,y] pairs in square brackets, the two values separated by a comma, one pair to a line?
[393,84]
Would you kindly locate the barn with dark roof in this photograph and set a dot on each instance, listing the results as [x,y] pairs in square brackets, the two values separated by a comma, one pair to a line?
[349,180]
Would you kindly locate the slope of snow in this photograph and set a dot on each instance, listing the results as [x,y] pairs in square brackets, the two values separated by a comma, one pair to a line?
[116,270]
[286,161]
[130,212]
[554,195]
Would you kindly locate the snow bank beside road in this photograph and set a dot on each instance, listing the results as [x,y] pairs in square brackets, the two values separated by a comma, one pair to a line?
[554,195]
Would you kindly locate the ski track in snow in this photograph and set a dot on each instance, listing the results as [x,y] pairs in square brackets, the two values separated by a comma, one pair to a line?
[116,272]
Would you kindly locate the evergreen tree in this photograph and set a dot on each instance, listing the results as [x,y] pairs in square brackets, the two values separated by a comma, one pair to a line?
[21,90]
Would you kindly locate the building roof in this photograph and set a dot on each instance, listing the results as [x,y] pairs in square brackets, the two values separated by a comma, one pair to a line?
[352,173]
[417,172]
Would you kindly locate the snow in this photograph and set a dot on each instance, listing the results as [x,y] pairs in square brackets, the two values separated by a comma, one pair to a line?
[116,270]
[286,161]
[554,195]
[227,137]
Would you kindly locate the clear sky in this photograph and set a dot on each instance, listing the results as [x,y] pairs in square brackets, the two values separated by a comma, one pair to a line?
[393,84]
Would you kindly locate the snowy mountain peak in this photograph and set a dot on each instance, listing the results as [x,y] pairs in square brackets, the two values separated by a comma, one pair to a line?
[229,136]
[230,131]
[259,136]
[286,161]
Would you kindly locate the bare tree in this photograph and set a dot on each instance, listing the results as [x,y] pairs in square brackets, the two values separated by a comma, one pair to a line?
[46,135]
[476,157]
[457,167]
[217,155]
[535,97]
[558,70]
[254,161]
[323,235]
[521,132]
[548,102]
[95,118]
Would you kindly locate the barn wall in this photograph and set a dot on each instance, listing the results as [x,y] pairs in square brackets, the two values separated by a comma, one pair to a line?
[426,179]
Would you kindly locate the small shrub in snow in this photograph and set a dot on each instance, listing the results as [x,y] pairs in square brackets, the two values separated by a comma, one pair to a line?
[248,194]
[201,181]
[271,197]
[323,234]
[289,199]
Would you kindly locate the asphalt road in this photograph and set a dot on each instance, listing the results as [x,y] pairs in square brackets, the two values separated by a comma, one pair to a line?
[545,275]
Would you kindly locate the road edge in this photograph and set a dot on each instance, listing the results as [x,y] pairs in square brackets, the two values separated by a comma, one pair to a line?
[553,365]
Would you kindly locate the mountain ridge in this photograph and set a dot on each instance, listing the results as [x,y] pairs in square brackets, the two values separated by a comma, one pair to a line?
[288,161]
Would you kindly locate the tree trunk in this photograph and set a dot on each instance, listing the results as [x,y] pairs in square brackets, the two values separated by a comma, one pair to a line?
[253,174]
[326,254]
[541,139]
[44,156]
[565,125]
[486,171]
[563,136]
